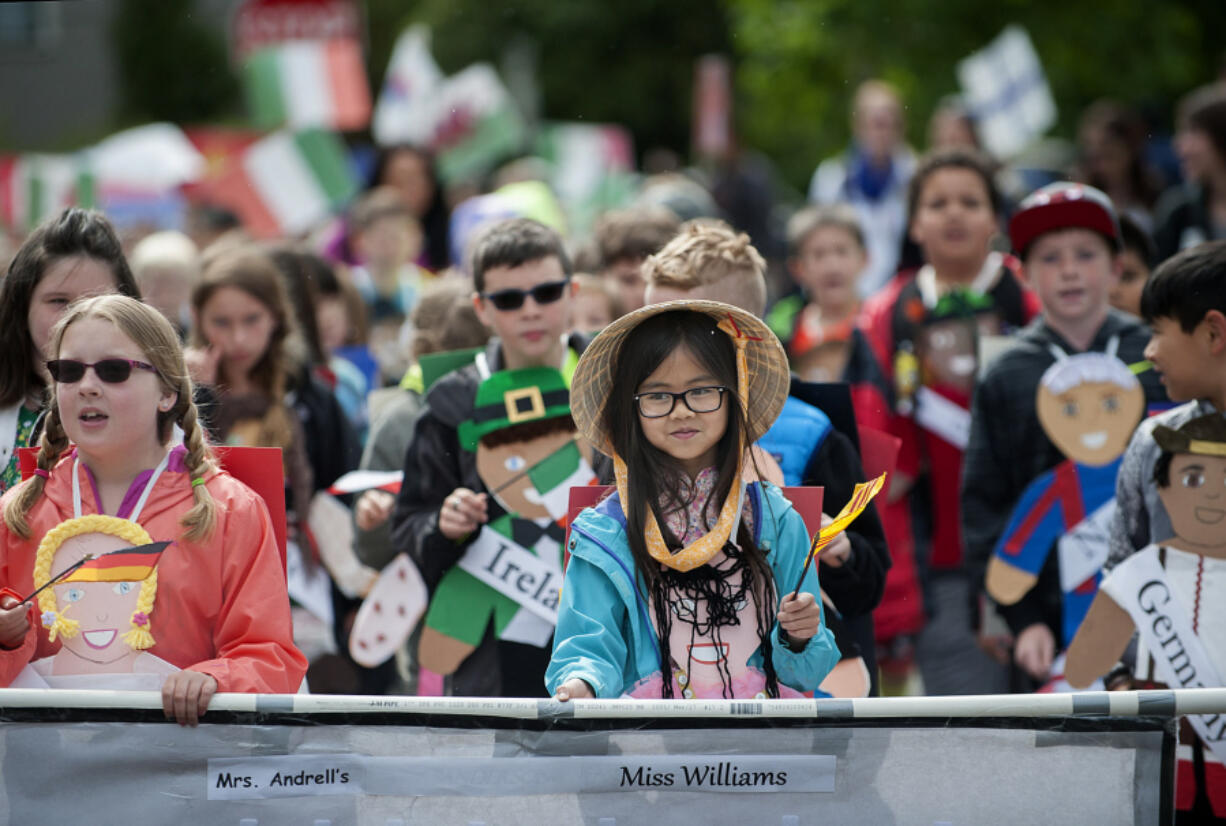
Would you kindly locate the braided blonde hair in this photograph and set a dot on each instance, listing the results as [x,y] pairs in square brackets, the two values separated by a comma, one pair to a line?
[159,343]
[139,637]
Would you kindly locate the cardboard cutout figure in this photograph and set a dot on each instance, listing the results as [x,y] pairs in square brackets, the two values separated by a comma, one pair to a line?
[390,612]
[102,613]
[935,372]
[1174,595]
[1088,405]
[528,456]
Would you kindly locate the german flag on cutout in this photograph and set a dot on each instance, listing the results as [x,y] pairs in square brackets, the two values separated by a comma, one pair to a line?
[124,565]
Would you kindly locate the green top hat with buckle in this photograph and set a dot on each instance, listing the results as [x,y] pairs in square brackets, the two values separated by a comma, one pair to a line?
[513,397]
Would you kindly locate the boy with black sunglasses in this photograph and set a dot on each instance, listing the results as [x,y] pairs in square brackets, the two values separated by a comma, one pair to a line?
[522,277]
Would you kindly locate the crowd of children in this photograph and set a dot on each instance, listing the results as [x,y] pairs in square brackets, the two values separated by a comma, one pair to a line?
[1005,359]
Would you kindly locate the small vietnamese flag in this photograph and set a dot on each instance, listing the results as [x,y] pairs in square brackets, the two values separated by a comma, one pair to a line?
[861,495]
[125,565]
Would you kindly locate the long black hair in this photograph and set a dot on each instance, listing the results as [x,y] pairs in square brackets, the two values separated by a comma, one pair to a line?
[73,233]
[656,485]
[436,222]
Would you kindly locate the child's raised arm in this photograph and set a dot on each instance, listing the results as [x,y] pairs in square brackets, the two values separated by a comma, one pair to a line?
[1102,638]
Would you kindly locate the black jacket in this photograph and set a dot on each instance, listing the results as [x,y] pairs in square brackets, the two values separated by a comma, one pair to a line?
[332,446]
[856,586]
[1181,220]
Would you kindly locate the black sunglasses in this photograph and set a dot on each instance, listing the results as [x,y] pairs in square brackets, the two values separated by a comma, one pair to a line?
[513,299]
[111,371]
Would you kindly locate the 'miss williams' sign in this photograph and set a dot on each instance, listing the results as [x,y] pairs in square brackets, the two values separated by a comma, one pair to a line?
[302,776]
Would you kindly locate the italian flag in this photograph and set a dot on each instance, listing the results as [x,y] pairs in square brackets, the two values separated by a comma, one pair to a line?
[287,183]
[305,83]
[556,474]
[36,187]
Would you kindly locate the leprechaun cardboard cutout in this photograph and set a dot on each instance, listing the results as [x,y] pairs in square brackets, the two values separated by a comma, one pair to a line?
[528,456]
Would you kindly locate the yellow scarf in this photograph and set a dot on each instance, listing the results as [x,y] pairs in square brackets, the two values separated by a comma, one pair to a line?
[701,550]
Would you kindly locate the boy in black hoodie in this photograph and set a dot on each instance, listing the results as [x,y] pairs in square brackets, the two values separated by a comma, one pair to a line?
[1068,237]
[522,276]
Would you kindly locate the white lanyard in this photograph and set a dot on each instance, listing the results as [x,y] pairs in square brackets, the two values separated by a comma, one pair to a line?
[140,503]
[1113,346]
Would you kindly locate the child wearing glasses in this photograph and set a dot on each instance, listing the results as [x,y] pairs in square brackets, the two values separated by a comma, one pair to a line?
[119,386]
[523,292]
[72,255]
[684,582]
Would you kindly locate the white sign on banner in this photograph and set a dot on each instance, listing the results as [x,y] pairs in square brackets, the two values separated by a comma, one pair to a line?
[1007,92]
[258,778]
[1139,586]
[516,572]
[285,776]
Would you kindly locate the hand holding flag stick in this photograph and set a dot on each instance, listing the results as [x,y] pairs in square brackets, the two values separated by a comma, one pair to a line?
[860,497]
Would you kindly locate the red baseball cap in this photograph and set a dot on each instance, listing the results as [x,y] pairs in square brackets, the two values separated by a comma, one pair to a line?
[1063,205]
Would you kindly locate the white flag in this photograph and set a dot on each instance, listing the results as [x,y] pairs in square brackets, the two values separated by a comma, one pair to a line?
[404,112]
[1007,92]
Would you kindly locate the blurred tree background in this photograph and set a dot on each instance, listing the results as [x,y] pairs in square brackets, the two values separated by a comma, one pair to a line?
[796,61]
[171,65]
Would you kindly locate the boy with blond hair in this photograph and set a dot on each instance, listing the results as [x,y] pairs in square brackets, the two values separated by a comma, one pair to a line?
[708,255]
[709,260]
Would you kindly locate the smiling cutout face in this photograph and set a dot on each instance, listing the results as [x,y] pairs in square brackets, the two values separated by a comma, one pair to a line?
[520,431]
[1195,500]
[103,609]
[102,622]
[947,354]
[1191,478]
[507,464]
[1089,404]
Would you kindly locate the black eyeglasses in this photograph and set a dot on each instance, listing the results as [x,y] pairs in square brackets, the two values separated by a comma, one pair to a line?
[659,403]
[111,371]
[513,299]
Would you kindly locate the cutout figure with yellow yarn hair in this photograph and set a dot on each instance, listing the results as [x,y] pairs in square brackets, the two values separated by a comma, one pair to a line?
[104,627]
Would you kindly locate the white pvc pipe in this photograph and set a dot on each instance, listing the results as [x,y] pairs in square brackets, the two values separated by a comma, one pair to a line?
[1115,703]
